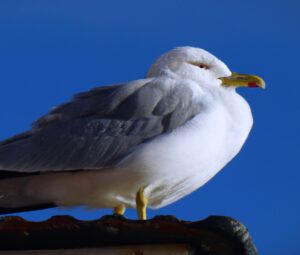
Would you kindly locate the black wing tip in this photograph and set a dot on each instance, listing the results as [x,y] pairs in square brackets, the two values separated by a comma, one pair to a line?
[4,210]
[5,174]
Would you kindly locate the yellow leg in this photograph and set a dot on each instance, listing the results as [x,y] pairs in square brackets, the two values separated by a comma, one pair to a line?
[119,210]
[141,204]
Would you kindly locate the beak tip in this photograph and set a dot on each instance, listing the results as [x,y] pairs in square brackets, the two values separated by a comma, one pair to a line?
[258,83]
[262,84]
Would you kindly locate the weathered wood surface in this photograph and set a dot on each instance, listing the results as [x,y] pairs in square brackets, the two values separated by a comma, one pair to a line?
[215,235]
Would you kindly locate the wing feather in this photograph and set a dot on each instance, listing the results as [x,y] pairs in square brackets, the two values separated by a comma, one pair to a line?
[99,128]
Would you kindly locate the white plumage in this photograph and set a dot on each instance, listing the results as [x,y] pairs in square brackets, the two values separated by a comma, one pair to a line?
[171,165]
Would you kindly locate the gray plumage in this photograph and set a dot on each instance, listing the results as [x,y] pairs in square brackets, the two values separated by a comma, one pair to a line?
[167,135]
[97,129]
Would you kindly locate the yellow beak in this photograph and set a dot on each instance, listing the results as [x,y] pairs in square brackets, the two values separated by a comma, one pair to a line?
[243,80]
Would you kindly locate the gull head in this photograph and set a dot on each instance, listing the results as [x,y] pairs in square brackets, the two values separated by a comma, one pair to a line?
[202,67]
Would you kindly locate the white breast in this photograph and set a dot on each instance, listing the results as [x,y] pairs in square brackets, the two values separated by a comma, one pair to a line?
[174,165]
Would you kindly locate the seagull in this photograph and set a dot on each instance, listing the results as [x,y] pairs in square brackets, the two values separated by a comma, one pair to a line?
[138,144]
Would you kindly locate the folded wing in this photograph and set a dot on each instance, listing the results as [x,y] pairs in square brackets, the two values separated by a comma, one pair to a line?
[99,128]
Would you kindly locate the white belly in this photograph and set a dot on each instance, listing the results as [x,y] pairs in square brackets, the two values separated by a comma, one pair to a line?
[175,165]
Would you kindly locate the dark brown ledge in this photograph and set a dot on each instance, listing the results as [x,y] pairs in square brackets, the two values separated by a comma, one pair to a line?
[214,235]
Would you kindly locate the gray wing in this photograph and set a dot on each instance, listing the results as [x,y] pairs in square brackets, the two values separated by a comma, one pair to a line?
[99,128]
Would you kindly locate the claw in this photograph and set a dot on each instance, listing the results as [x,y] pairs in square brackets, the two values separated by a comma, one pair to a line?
[119,210]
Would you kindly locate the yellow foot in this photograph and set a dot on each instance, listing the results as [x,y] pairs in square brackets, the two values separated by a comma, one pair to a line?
[141,204]
[119,210]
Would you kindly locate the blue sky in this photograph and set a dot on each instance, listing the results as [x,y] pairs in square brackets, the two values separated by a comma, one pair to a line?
[52,49]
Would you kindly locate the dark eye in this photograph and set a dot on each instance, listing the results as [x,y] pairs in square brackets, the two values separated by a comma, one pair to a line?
[200,65]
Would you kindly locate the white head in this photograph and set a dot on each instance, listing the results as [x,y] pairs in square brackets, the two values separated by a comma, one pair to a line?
[201,66]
